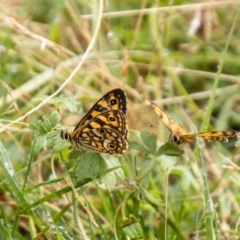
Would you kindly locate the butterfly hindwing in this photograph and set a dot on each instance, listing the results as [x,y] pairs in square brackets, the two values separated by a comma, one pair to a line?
[103,139]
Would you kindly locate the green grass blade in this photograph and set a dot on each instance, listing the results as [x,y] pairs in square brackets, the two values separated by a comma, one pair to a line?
[8,173]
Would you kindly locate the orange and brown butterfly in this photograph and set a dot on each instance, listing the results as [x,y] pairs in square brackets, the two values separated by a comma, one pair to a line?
[103,128]
[179,134]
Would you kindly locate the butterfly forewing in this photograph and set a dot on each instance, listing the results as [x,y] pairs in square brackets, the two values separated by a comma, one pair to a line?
[104,127]
[113,100]
[113,119]
[174,127]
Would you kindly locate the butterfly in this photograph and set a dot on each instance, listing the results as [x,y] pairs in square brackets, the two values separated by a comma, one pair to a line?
[179,134]
[103,128]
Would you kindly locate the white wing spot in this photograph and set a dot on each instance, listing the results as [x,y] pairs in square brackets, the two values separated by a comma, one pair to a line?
[96,138]
[105,143]
[96,132]
[114,134]
[85,137]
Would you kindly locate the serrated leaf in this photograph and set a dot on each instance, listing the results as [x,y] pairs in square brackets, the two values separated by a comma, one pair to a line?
[113,162]
[76,153]
[73,157]
[132,227]
[170,149]
[60,145]
[103,167]
[70,103]
[34,129]
[53,134]
[71,162]
[52,138]
[150,140]
[38,143]
[47,125]
[44,126]
[138,146]
[108,181]
[54,118]
[89,166]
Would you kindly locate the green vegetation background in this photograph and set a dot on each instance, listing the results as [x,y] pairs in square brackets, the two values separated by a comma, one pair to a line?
[169,51]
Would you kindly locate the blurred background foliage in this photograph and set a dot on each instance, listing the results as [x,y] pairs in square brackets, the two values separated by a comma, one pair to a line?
[168,51]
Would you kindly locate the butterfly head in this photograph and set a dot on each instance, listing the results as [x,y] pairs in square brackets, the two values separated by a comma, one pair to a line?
[175,139]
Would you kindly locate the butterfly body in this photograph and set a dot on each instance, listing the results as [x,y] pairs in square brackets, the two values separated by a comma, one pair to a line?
[103,128]
[180,136]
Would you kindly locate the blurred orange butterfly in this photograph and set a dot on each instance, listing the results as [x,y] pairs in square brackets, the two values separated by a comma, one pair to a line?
[179,134]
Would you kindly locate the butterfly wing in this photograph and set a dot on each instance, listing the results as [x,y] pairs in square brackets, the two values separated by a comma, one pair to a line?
[104,140]
[220,136]
[113,100]
[180,136]
[174,127]
[107,132]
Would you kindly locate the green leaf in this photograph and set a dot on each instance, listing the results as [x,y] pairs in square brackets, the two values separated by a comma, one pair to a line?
[70,103]
[132,227]
[74,157]
[150,140]
[103,167]
[90,166]
[138,146]
[113,162]
[39,143]
[54,118]
[44,126]
[60,144]
[52,138]
[109,179]
[170,149]
[34,129]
